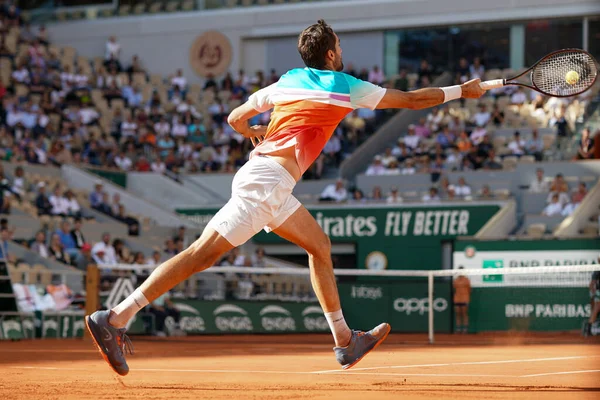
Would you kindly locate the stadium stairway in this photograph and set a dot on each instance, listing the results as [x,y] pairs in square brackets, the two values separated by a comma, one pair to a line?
[148,208]
[585,221]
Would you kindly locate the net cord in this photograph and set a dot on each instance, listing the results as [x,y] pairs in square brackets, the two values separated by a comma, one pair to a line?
[384,273]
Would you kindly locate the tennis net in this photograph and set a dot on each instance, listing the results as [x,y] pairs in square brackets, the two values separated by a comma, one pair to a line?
[264,300]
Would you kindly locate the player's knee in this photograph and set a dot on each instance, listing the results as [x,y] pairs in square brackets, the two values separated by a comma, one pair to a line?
[322,250]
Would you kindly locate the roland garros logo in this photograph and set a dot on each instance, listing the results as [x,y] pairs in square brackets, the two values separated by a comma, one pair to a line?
[210,54]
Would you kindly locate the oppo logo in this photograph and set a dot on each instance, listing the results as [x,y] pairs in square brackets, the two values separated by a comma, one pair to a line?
[420,306]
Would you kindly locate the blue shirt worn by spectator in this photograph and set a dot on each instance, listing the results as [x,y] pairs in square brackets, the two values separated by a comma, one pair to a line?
[67,240]
[95,199]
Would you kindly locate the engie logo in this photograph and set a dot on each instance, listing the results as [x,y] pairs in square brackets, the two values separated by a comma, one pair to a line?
[232,323]
[277,318]
[317,322]
[414,305]
[193,323]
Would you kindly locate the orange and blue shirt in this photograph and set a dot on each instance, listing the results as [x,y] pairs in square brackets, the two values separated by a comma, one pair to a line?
[308,104]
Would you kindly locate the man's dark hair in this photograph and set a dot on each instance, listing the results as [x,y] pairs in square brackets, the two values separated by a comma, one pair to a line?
[314,43]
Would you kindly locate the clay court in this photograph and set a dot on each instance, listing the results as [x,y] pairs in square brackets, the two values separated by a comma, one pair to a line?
[302,366]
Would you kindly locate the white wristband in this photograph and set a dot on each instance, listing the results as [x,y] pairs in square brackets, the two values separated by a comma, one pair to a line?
[452,93]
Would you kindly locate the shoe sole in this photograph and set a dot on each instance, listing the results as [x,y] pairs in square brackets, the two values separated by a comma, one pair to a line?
[97,344]
[348,366]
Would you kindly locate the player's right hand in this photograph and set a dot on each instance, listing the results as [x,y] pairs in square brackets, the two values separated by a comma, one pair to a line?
[471,89]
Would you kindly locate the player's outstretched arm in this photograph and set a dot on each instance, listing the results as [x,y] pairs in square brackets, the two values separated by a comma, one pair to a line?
[430,97]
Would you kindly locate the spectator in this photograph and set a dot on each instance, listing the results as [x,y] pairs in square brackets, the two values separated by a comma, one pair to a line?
[539,184]
[559,184]
[96,195]
[377,167]
[42,203]
[517,146]
[104,206]
[519,97]
[586,146]
[39,245]
[358,196]
[155,259]
[376,75]
[103,252]
[57,251]
[132,223]
[162,308]
[394,197]
[21,184]
[5,236]
[482,117]
[170,248]
[72,206]
[580,193]
[409,167]
[258,258]
[497,116]
[560,123]
[123,162]
[179,82]
[486,193]
[535,146]
[425,74]
[376,194]
[462,71]
[462,189]
[477,135]
[85,259]
[432,196]
[58,202]
[571,206]
[476,70]
[77,234]
[181,236]
[335,192]
[554,208]
[411,140]
[67,241]
[421,129]
[113,49]
[492,161]
[401,82]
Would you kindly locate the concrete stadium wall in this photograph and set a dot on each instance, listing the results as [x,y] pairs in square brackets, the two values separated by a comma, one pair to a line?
[163,41]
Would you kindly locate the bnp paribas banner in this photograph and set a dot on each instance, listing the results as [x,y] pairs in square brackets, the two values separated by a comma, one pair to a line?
[394,237]
[540,301]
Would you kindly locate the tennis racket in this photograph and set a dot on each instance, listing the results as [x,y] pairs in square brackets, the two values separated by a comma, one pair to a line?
[563,73]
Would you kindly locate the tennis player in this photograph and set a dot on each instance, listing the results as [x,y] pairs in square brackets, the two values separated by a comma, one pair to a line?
[308,104]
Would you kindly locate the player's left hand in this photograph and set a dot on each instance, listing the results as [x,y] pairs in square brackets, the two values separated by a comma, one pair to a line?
[471,89]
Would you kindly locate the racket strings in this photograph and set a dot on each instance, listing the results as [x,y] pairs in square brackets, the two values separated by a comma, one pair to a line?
[549,76]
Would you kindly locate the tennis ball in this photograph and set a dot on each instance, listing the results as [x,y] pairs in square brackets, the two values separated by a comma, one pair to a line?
[572,77]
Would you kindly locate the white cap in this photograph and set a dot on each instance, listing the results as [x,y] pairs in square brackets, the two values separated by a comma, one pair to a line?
[378,158]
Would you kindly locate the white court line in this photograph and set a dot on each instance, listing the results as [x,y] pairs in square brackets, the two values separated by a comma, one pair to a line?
[562,373]
[460,363]
[233,371]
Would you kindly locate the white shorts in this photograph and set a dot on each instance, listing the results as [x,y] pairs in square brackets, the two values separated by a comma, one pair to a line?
[261,198]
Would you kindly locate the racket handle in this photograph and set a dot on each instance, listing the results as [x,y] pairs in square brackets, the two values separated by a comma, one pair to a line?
[493,84]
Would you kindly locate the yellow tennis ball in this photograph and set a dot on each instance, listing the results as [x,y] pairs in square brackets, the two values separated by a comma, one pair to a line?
[572,77]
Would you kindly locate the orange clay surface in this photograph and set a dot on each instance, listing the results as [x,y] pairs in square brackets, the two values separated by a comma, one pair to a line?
[303,367]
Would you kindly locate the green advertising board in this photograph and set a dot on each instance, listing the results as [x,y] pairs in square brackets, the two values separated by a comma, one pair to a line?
[393,237]
[527,302]
[404,305]
[61,325]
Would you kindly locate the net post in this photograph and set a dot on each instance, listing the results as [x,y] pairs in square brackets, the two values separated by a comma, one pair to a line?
[92,285]
[430,311]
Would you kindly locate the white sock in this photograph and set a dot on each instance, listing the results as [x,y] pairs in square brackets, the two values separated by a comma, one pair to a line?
[339,328]
[125,310]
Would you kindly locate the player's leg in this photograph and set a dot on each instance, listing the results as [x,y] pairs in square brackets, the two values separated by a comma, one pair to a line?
[201,254]
[301,229]
[458,318]
[466,318]
[595,312]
